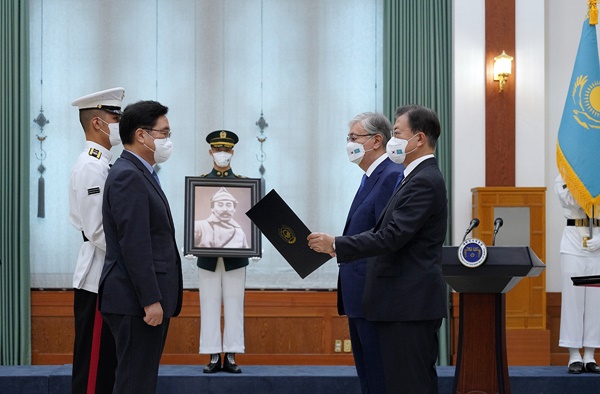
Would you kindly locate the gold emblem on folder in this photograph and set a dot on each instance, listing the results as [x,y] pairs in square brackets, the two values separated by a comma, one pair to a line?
[287,234]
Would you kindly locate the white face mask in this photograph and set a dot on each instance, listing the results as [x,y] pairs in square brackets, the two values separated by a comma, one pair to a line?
[222,159]
[396,149]
[113,135]
[356,151]
[163,148]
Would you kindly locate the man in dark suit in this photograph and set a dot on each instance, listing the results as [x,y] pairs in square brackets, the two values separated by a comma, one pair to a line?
[367,138]
[141,282]
[405,291]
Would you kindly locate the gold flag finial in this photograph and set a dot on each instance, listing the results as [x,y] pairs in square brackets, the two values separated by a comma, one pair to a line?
[593,8]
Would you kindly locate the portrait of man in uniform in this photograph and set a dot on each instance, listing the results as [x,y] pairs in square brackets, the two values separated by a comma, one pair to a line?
[222,228]
[215,223]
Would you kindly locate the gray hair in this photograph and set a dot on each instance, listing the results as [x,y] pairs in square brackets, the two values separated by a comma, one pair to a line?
[374,123]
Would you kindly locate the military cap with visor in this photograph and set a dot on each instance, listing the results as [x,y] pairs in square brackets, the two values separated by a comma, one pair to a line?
[108,100]
[222,139]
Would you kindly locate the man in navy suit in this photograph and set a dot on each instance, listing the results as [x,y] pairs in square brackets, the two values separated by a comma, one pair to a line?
[369,133]
[405,291]
[141,282]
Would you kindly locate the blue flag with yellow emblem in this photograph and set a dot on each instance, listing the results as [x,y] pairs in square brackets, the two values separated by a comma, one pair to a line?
[578,146]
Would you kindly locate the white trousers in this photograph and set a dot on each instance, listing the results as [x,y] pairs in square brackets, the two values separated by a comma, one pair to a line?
[226,287]
[580,306]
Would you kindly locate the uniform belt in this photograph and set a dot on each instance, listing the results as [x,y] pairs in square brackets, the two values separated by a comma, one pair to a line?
[84,237]
[583,222]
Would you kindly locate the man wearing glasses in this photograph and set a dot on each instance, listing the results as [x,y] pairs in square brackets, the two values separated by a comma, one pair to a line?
[366,143]
[141,283]
[405,290]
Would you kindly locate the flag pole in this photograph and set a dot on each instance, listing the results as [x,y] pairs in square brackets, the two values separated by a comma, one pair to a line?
[592,223]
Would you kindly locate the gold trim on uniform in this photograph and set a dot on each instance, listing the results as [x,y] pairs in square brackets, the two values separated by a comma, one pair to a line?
[95,153]
[583,222]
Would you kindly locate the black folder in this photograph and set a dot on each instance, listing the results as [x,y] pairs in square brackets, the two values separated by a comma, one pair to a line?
[287,233]
[591,281]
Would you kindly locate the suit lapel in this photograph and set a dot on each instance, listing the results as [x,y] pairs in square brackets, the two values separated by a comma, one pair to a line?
[128,156]
[364,192]
[405,181]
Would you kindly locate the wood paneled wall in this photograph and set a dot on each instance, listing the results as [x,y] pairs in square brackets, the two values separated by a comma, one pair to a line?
[281,328]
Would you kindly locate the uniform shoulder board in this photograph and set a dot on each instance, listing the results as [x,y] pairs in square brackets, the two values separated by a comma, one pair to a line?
[93,190]
[95,153]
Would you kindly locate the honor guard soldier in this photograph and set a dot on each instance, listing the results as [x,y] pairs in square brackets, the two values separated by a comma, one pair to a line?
[580,307]
[222,279]
[94,357]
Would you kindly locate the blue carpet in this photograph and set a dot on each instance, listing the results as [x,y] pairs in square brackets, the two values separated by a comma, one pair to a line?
[183,379]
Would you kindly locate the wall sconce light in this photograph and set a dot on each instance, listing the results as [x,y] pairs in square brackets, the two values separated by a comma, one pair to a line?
[502,68]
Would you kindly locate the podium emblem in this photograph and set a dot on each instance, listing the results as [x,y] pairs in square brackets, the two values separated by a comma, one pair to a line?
[472,253]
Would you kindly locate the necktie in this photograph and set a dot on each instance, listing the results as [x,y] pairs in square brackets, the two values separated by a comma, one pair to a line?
[155,175]
[362,183]
[400,179]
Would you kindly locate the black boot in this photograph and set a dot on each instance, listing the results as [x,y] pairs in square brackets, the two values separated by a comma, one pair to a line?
[229,364]
[214,365]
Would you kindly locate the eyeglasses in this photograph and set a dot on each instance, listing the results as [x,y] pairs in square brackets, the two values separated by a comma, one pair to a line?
[166,133]
[353,137]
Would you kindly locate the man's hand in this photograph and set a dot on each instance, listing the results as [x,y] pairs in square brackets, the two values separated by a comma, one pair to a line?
[154,314]
[322,243]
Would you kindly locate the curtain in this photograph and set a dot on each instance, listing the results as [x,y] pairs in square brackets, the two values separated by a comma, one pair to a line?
[417,69]
[15,321]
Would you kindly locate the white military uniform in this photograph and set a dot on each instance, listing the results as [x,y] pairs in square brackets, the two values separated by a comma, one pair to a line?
[580,307]
[85,201]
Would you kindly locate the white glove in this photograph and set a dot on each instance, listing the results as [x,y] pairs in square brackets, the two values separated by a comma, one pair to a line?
[569,200]
[189,257]
[593,244]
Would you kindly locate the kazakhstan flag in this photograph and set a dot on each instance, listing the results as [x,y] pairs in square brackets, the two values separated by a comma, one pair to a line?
[578,146]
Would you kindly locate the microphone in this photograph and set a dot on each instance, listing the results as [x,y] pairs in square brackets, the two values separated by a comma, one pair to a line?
[474,223]
[497,224]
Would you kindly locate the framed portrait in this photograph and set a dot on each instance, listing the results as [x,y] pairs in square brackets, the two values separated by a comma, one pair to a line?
[215,222]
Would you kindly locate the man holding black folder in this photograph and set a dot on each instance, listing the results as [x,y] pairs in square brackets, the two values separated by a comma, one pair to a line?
[369,133]
[405,290]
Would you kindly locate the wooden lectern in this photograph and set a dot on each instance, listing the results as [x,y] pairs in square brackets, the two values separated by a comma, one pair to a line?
[481,365]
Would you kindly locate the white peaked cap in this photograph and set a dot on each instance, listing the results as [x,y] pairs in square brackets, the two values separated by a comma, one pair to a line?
[108,100]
